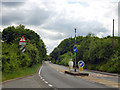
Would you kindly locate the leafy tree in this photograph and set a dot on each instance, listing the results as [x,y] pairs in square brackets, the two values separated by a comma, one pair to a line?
[97,53]
[12,57]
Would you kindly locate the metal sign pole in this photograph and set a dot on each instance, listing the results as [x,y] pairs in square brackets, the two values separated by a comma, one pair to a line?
[113,36]
[75,61]
[75,52]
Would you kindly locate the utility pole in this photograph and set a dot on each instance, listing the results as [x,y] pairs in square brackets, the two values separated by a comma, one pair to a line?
[75,45]
[113,35]
[119,22]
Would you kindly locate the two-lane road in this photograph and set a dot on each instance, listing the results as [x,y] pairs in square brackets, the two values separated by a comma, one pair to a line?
[48,77]
[61,80]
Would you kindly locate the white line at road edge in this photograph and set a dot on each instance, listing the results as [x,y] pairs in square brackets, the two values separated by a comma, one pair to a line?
[40,70]
[46,82]
[50,85]
[42,77]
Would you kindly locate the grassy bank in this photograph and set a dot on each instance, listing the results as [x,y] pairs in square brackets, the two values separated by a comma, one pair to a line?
[0,76]
[20,72]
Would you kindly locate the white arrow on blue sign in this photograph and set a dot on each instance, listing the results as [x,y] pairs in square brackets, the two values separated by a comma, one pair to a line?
[75,49]
[81,63]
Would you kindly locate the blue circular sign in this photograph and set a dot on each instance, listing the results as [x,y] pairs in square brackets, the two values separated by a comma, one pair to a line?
[75,49]
[81,63]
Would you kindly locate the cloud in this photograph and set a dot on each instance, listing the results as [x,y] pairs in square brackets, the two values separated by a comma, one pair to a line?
[84,4]
[51,44]
[36,16]
[20,15]
[51,34]
[54,20]
[12,18]
[12,4]
[119,19]
[83,27]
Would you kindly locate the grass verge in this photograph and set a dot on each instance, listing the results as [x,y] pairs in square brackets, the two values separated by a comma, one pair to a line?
[0,77]
[20,72]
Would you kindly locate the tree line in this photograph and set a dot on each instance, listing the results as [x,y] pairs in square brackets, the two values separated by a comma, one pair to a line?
[12,57]
[97,53]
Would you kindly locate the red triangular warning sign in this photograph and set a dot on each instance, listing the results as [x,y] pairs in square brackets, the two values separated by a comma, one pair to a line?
[22,39]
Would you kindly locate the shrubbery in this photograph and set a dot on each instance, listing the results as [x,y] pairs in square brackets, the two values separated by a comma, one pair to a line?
[97,53]
[12,57]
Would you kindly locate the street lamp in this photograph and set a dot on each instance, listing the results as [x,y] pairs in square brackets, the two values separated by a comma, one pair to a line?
[75,45]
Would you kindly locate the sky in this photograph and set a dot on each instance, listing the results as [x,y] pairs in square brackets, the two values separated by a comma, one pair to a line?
[55,20]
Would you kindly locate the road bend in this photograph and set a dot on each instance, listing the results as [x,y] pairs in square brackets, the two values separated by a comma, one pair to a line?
[61,80]
[52,78]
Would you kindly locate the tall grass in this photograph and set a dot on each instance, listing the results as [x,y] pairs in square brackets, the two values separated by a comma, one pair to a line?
[20,72]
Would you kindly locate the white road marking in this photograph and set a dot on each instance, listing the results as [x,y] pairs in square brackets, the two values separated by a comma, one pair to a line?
[43,78]
[46,82]
[61,72]
[39,75]
[40,69]
[50,85]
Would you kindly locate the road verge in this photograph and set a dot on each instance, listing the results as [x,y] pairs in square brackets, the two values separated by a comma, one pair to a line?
[21,73]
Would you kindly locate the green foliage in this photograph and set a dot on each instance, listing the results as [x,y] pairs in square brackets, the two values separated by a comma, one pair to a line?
[9,57]
[97,53]
[20,72]
[12,57]
[64,59]
[63,48]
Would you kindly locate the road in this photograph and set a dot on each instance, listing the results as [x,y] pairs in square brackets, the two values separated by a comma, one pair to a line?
[32,81]
[49,77]
[61,80]
[98,74]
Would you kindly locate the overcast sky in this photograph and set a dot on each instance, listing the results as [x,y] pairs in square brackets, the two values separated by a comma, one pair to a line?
[54,20]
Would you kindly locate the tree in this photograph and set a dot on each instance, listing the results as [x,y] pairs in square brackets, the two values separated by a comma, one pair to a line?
[12,57]
[97,53]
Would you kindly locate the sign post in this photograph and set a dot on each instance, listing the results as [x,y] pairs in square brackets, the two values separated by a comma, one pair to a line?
[22,42]
[81,65]
[75,49]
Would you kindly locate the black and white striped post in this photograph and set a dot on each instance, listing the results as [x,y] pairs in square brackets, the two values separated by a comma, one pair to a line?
[22,42]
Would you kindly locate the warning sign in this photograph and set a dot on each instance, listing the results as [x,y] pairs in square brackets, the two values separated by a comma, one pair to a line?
[22,41]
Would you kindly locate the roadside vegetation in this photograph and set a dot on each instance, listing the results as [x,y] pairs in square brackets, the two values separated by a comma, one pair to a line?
[97,53]
[0,57]
[20,72]
[16,63]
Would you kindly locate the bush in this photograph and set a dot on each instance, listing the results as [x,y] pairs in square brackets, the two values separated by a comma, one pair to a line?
[12,57]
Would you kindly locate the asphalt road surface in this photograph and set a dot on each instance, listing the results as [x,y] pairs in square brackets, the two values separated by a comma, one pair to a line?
[33,81]
[48,77]
[61,80]
[98,74]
